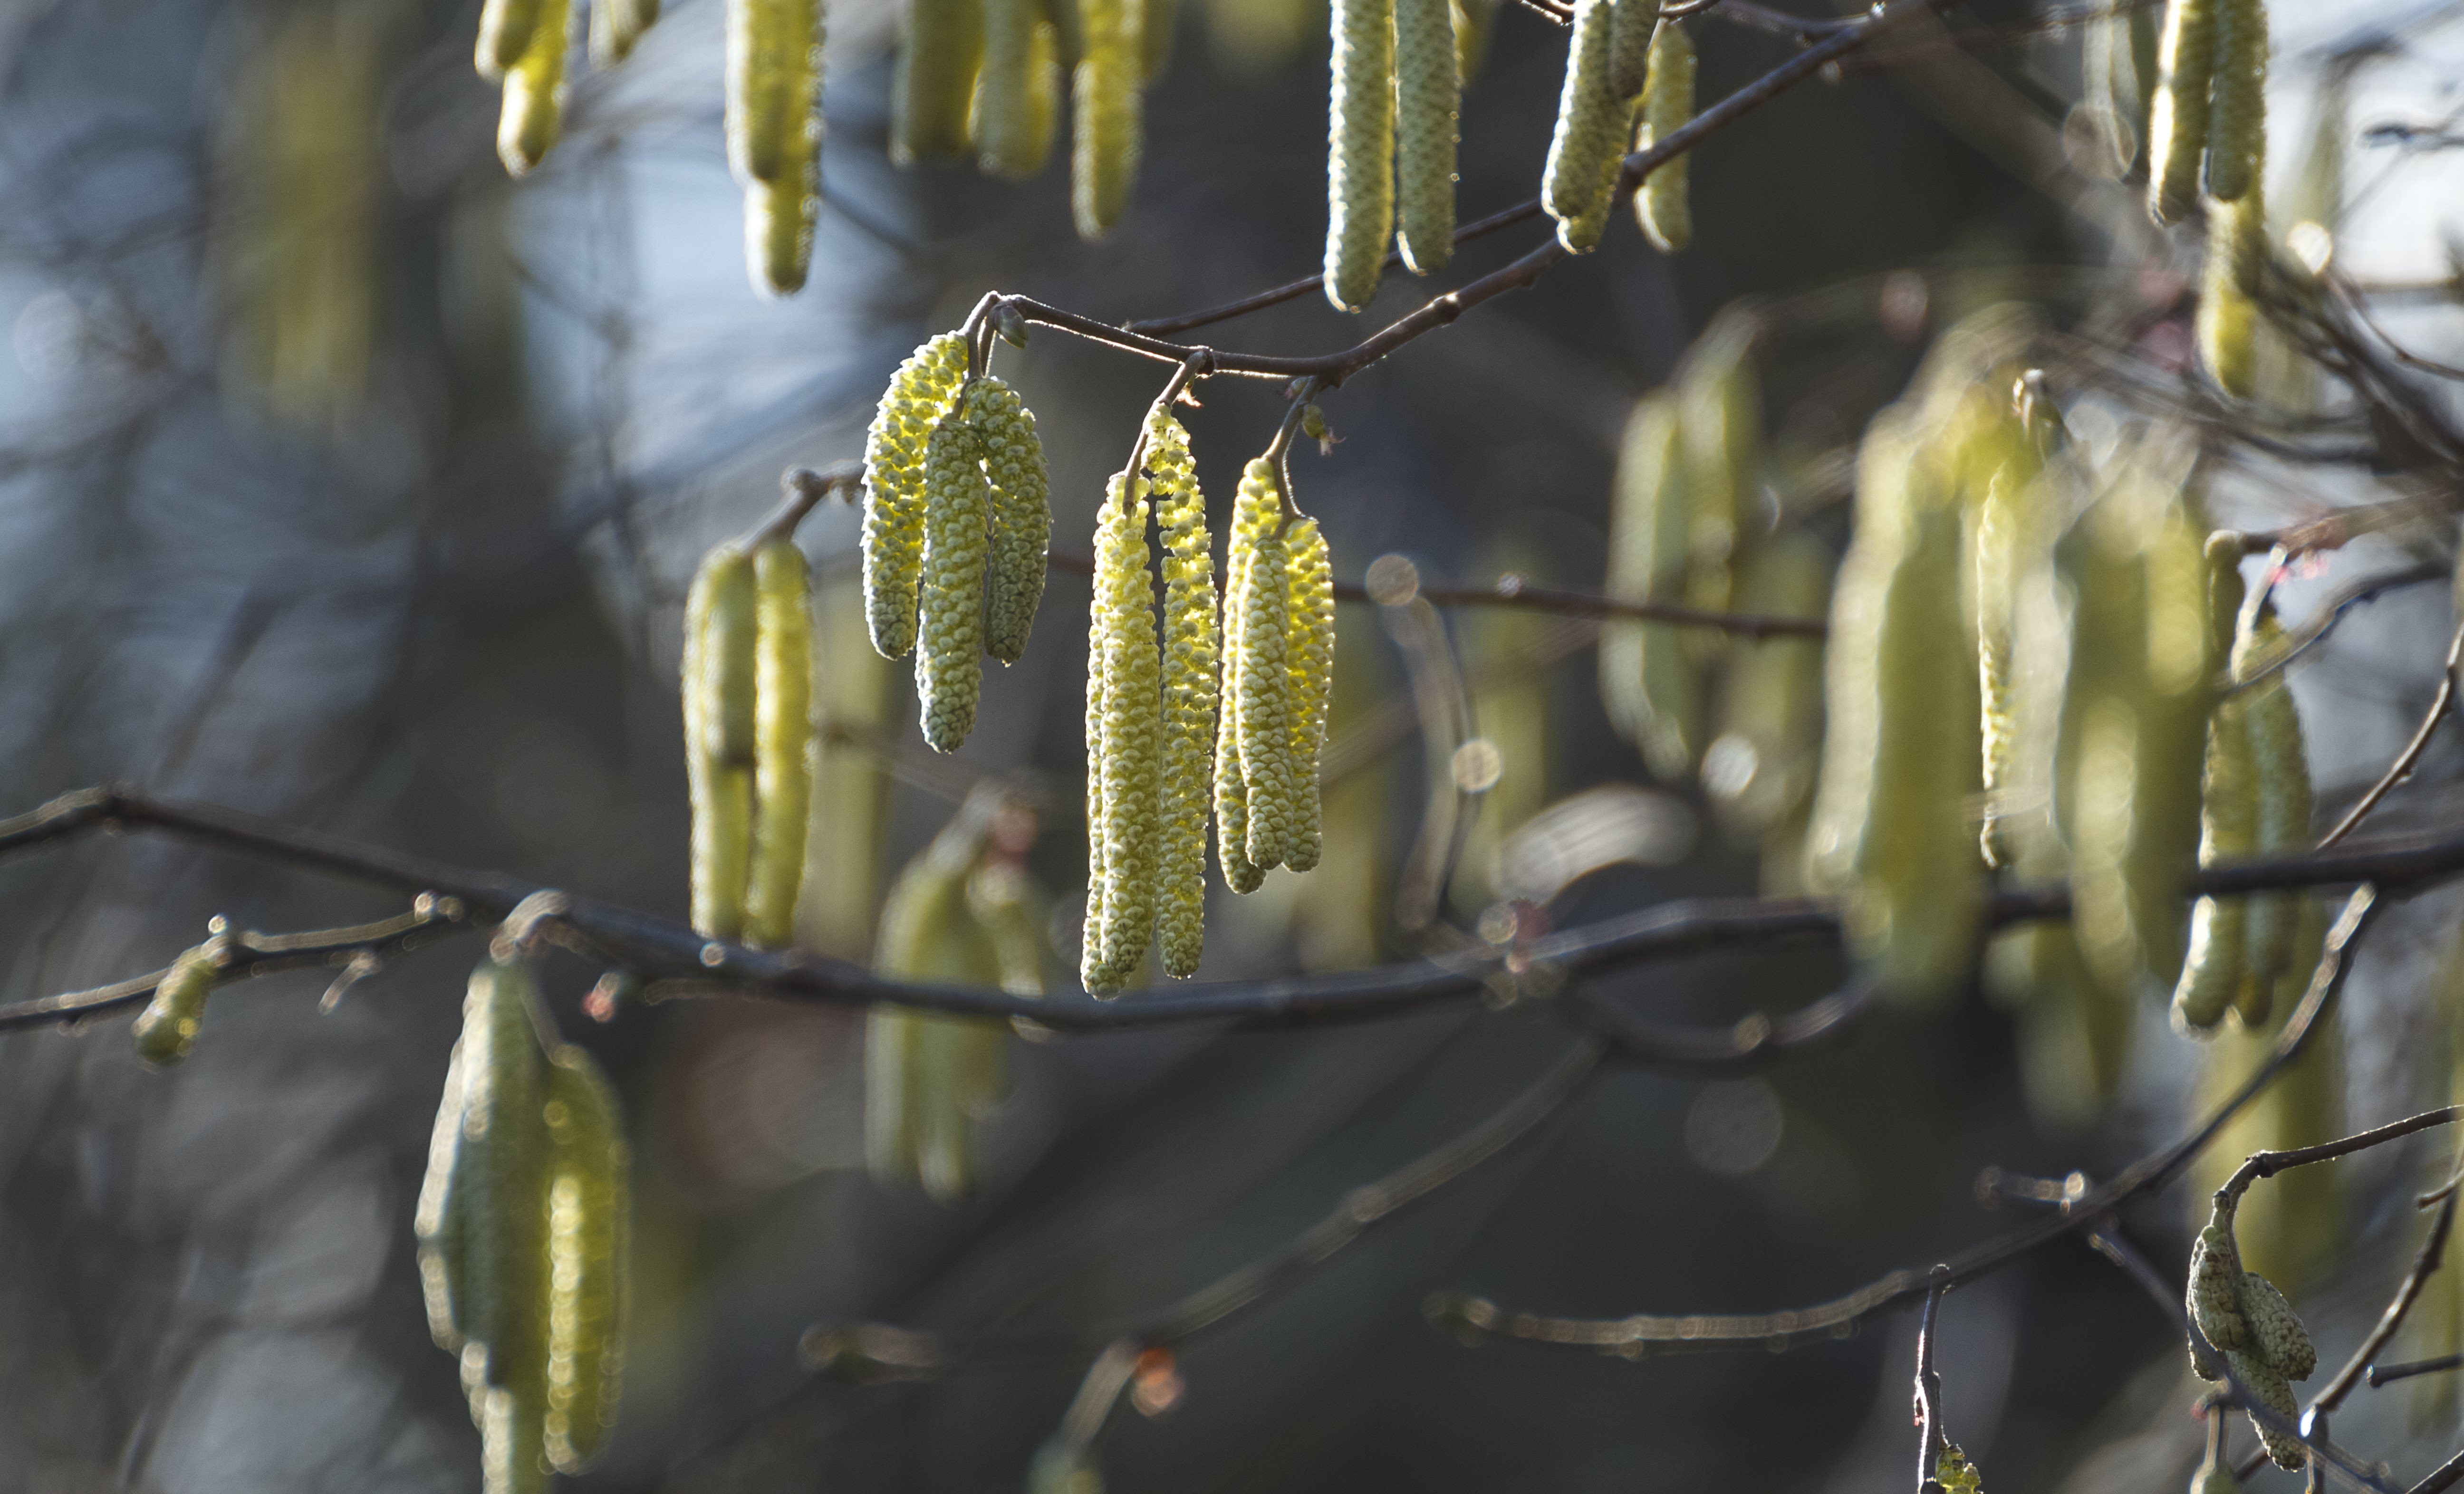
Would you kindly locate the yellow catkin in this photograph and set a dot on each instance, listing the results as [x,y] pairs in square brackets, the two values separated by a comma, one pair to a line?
[1125,753]
[1630,46]
[2237,100]
[782,774]
[1652,690]
[958,535]
[1427,96]
[935,80]
[588,1230]
[1259,489]
[920,393]
[1108,135]
[615,26]
[1582,234]
[720,735]
[167,1029]
[2177,122]
[533,104]
[1760,767]
[1720,414]
[2111,80]
[1590,120]
[2228,318]
[2000,468]
[1308,662]
[1189,697]
[1260,696]
[2280,769]
[778,222]
[505,31]
[1021,514]
[1360,149]
[1016,93]
[774,125]
[1663,207]
[497,1189]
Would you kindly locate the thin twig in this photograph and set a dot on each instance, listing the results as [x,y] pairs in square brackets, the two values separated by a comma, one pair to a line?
[2443,1477]
[2267,1164]
[1930,1437]
[2369,588]
[2408,759]
[804,488]
[1754,1041]
[2387,1373]
[2425,1262]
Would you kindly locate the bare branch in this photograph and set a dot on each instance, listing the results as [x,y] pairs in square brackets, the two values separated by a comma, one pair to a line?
[2406,760]
[1929,1434]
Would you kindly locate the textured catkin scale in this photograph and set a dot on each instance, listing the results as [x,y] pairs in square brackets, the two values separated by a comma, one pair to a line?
[505,30]
[1231,793]
[1015,92]
[533,102]
[1955,1473]
[2177,125]
[935,80]
[779,220]
[1426,98]
[2276,1328]
[1360,149]
[1652,690]
[2228,319]
[2281,773]
[1662,208]
[1582,234]
[1132,757]
[615,26]
[2213,1291]
[2237,100]
[920,393]
[1630,46]
[772,79]
[782,773]
[1589,116]
[957,534]
[499,1189]
[589,1227]
[166,1030]
[1308,662]
[1189,697]
[436,1221]
[1261,700]
[2273,1389]
[1021,514]
[1108,135]
[719,690]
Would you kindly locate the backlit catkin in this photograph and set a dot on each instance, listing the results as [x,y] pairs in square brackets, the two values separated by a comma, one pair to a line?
[1259,692]
[2217,962]
[1662,206]
[1022,513]
[949,637]
[1360,149]
[1309,664]
[1591,121]
[1125,753]
[505,30]
[935,80]
[615,26]
[2177,123]
[533,102]
[167,1029]
[2228,318]
[1108,136]
[589,1226]
[1017,93]
[1426,98]
[2280,772]
[1652,690]
[782,771]
[920,393]
[1630,46]
[1189,697]
[719,665]
[2237,100]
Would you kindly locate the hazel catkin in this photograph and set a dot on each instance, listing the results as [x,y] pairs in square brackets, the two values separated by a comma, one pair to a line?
[719,665]
[1189,697]
[918,394]
[1663,207]
[935,80]
[1426,98]
[1125,749]
[2177,123]
[165,1031]
[1591,121]
[957,517]
[1360,149]
[534,100]
[1022,513]
[1106,138]
[588,1230]
[782,773]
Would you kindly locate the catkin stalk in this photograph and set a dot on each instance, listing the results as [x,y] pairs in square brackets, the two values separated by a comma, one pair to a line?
[1590,120]
[588,1223]
[1662,206]
[919,395]
[1189,697]
[935,79]
[1106,138]
[1426,98]
[533,102]
[1360,149]
[782,775]
[958,520]
[2177,123]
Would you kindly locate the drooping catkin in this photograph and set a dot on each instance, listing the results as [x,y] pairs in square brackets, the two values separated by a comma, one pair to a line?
[534,101]
[588,1230]
[957,534]
[2177,122]
[2217,962]
[1360,149]
[2228,318]
[774,123]
[1760,766]
[615,26]
[1231,791]
[1630,46]
[1590,120]
[1126,753]
[167,1029]
[782,775]
[1108,135]
[2237,100]
[2280,770]
[934,82]
[1663,207]
[1189,697]
[1720,415]
[1426,98]
[1017,90]
[920,392]
[1022,513]
[1652,690]
[720,649]
[778,222]
[505,29]
[497,1187]
[1260,696]
[2000,466]
[1309,661]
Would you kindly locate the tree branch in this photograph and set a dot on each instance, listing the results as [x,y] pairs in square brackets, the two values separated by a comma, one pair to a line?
[1930,1437]
[2406,760]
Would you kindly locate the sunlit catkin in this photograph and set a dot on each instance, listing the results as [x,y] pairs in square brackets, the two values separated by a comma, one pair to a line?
[2228,318]
[935,80]
[436,1218]
[498,1189]
[1017,93]
[1260,695]
[2237,100]
[167,1029]
[2281,771]
[1107,136]
[588,1229]
[2177,123]
[1189,697]
[1308,662]
[773,76]
[505,31]
[1720,415]
[1663,207]
[782,773]
[1652,690]
[1760,767]
[615,26]
[533,102]
[1360,149]
[1591,120]
[920,393]
[719,665]
[1426,98]
[2218,963]
[957,531]
[1021,514]
[1125,751]
[1630,46]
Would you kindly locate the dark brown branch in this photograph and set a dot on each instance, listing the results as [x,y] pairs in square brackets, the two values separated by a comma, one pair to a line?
[2426,1262]
[2406,760]
[1930,1437]
[804,487]
[2443,1477]
[2387,1373]
[1753,1041]
[2267,1164]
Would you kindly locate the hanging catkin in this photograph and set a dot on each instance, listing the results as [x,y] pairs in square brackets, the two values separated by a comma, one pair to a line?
[2217,962]
[1016,95]
[615,26]
[1260,696]
[1189,696]
[1308,662]
[1653,691]
[1126,753]
[949,646]
[2228,318]
[2281,771]
[720,735]
[782,775]
[1630,46]
[167,1029]
[1360,149]
[1662,206]
[2177,123]
[588,1224]
[935,80]
[920,392]
[505,30]
[533,102]
[773,125]
[1106,138]
[1426,98]
[2237,100]
[1022,513]
[1590,120]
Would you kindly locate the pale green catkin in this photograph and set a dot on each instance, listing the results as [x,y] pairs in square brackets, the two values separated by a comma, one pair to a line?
[1652,690]
[498,1188]
[1189,696]
[1426,98]
[505,30]
[166,1030]
[2001,467]
[1720,411]
[2218,963]
[1630,46]
[1308,662]
[934,82]
[1259,492]
[1262,695]
[1360,149]
[1582,234]
[1590,117]
[1013,457]
[1090,964]
[773,82]
[1662,206]
[2237,100]
[957,534]
[615,26]
[719,712]
[2280,770]
[1128,754]
[2227,324]
[782,775]
[589,1226]
[533,104]
[1109,136]
[2177,122]
[920,393]
[779,218]
[1015,92]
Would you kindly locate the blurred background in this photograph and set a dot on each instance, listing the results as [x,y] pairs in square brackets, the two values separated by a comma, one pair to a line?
[344,481]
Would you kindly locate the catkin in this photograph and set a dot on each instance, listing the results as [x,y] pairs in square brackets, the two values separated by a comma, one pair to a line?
[533,102]
[1308,662]
[774,120]
[1021,514]
[935,80]
[1590,120]
[1759,768]
[1720,414]
[1260,696]
[2001,468]
[1107,137]
[615,26]
[1360,149]
[1189,697]
[436,1220]
[949,648]
[778,222]
[2217,964]
[920,392]
[167,1029]
[1652,690]
[2228,317]
[2177,123]
[720,735]
[1662,206]
[1258,490]
[782,772]
[1125,751]
[1426,98]
[505,30]
[1016,93]
[2280,772]
[2237,100]
[588,1224]
[1630,46]
[497,1188]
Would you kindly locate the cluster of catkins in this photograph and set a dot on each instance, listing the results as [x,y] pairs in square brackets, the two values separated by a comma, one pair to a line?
[522,45]
[1629,83]
[522,1225]
[2247,1319]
